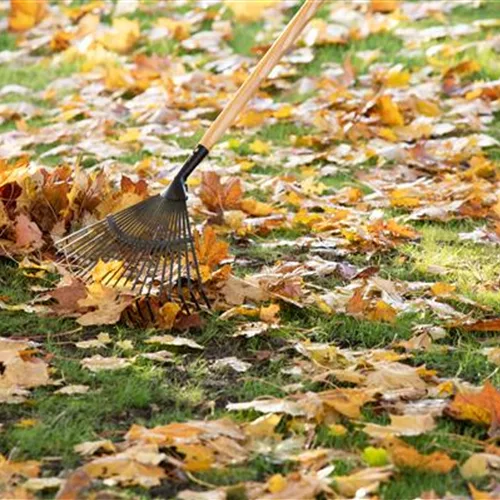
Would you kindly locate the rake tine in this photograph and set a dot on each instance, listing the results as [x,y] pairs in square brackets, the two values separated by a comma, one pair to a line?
[197,267]
[185,223]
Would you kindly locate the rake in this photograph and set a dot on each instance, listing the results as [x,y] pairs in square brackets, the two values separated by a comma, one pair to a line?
[153,239]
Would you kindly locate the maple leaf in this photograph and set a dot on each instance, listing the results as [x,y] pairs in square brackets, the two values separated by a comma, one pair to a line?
[218,196]
[107,305]
[482,407]
[210,250]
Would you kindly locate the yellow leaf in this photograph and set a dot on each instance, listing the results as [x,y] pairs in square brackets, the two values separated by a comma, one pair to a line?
[260,147]
[263,427]
[249,10]
[306,218]
[389,111]
[122,36]
[337,430]
[397,79]
[24,14]
[294,199]
[26,423]
[312,186]
[478,494]
[382,312]
[197,457]
[441,289]
[252,118]
[473,94]
[269,314]
[180,30]
[167,315]
[404,198]
[276,483]
[132,134]
[480,167]
[285,111]
[427,108]
[388,134]
[256,208]
[103,269]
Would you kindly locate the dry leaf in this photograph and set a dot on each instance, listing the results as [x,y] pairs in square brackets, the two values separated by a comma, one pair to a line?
[367,480]
[482,407]
[99,363]
[404,455]
[24,14]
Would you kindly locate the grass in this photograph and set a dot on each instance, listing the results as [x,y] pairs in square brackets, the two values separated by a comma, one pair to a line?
[150,394]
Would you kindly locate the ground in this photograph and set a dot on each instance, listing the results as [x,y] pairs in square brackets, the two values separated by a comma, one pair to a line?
[47,426]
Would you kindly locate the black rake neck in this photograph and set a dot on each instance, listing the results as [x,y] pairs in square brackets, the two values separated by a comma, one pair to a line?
[177,189]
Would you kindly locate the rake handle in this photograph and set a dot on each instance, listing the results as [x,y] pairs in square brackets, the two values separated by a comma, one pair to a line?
[260,72]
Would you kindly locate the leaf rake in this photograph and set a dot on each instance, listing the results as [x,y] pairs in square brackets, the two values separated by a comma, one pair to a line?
[153,239]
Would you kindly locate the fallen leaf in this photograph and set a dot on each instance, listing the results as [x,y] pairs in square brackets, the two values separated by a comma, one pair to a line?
[367,480]
[403,455]
[99,363]
[218,196]
[24,15]
[481,407]
[234,363]
[28,234]
[170,340]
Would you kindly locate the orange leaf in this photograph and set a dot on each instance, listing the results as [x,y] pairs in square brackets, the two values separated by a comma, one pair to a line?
[384,5]
[404,455]
[389,111]
[357,304]
[218,196]
[24,14]
[256,208]
[486,325]
[482,408]
[441,289]
[210,250]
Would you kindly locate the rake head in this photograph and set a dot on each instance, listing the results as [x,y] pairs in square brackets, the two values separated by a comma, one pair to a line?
[152,240]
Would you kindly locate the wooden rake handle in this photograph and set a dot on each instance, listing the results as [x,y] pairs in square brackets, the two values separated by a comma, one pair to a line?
[260,72]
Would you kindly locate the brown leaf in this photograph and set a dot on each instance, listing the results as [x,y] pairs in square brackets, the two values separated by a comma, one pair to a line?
[67,297]
[218,196]
[486,325]
[27,233]
[74,485]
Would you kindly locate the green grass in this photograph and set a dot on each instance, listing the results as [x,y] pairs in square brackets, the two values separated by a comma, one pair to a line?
[472,267]
[37,76]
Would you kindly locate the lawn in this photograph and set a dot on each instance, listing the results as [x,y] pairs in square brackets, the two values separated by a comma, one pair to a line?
[426,274]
